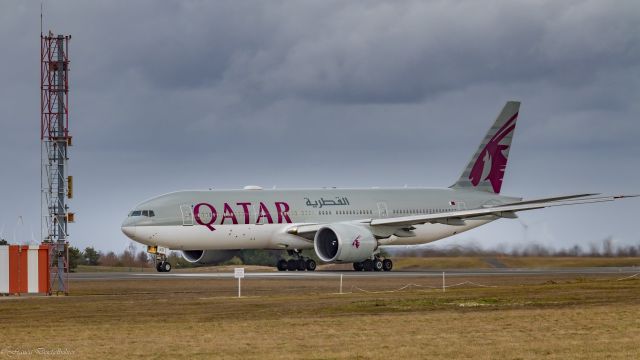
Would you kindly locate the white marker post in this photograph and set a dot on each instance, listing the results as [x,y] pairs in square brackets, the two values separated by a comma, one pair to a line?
[238,273]
[340,283]
[443,282]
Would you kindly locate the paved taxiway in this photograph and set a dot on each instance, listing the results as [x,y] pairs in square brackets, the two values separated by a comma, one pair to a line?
[330,274]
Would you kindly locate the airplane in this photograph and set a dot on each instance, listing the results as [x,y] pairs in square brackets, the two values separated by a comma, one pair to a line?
[339,225]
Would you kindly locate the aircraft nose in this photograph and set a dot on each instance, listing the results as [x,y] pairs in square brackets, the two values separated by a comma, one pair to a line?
[129,230]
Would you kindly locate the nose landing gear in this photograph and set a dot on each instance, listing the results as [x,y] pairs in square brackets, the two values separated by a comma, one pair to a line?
[163,266]
[160,254]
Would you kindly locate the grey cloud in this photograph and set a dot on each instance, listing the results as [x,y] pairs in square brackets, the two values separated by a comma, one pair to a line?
[374,52]
[358,52]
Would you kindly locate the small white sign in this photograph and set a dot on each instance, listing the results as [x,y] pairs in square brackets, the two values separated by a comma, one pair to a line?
[238,273]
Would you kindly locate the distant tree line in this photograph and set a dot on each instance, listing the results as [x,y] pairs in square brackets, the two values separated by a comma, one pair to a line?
[606,248]
[131,257]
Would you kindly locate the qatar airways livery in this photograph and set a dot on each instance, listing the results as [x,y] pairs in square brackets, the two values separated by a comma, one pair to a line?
[339,225]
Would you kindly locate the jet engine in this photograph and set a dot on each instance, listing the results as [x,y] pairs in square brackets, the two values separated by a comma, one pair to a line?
[208,257]
[344,243]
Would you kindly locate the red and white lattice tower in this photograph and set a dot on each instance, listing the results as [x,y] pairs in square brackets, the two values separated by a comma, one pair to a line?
[55,140]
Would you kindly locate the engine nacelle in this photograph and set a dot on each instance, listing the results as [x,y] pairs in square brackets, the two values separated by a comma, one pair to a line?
[208,257]
[344,243]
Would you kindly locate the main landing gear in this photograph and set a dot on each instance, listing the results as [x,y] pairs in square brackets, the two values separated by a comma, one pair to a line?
[298,263]
[375,264]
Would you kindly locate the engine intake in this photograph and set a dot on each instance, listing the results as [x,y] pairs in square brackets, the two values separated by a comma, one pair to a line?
[344,243]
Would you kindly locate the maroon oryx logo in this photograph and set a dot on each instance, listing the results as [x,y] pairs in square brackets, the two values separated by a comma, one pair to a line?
[491,161]
[356,242]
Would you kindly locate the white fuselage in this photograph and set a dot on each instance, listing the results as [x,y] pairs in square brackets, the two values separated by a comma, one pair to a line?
[261,219]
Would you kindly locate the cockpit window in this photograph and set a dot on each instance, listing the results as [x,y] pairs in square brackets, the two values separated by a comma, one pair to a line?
[148,213]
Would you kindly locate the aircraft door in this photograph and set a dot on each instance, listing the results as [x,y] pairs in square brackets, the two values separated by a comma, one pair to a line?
[382,209]
[459,205]
[187,214]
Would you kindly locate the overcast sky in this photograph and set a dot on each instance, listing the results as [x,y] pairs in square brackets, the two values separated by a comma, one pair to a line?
[169,95]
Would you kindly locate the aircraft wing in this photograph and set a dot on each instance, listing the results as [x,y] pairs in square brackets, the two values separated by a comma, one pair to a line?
[506,211]
[308,231]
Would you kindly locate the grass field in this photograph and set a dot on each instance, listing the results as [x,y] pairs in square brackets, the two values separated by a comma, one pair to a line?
[559,316]
[413,263]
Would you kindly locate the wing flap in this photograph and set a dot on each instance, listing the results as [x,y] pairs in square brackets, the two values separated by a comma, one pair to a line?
[551,199]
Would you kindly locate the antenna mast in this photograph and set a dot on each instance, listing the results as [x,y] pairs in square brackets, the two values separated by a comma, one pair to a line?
[56,186]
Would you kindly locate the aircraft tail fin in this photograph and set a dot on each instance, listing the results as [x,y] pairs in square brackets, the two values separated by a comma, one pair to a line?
[486,168]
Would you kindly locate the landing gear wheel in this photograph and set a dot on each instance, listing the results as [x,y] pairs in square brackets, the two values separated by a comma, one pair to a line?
[357,266]
[163,266]
[377,264]
[367,265]
[166,266]
[302,265]
[292,265]
[282,265]
[387,264]
[311,264]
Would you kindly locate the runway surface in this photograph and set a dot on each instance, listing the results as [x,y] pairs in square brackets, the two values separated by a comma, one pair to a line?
[373,274]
